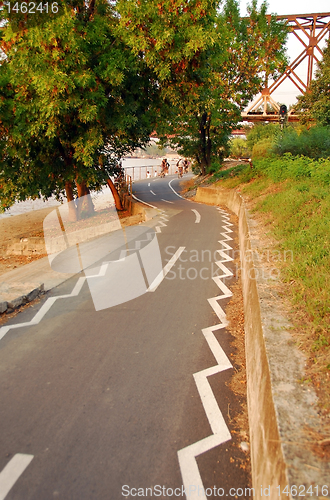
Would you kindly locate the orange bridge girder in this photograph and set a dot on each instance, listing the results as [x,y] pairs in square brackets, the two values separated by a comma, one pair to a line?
[315,27]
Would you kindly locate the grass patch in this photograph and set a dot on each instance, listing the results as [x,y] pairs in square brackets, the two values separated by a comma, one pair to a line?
[301,224]
[294,197]
[229,172]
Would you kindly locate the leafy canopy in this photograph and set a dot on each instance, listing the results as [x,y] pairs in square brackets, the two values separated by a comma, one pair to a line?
[208,64]
[74,99]
[315,104]
[81,90]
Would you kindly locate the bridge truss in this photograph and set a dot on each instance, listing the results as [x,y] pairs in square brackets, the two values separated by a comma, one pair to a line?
[310,30]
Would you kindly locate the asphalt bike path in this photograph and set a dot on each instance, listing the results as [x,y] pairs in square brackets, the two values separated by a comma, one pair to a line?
[129,400]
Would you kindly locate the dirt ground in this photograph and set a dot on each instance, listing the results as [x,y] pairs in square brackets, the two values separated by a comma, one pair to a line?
[24,225]
[19,226]
[319,379]
[235,316]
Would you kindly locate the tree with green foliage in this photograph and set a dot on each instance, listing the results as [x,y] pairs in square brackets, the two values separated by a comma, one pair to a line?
[208,65]
[174,37]
[74,100]
[312,143]
[83,89]
[315,104]
[239,148]
[260,132]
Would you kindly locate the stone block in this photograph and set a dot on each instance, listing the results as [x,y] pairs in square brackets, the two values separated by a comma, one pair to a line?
[15,302]
[13,295]
[35,293]
[3,306]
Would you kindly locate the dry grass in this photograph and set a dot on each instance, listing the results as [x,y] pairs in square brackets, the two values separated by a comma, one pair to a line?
[235,316]
[292,215]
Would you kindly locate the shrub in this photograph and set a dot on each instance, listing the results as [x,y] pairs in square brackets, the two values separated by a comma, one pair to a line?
[261,132]
[291,167]
[231,172]
[239,148]
[216,164]
[262,149]
[314,143]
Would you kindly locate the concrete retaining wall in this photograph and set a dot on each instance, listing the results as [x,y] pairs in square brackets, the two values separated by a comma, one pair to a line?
[280,407]
[137,208]
[27,246]
[41,246]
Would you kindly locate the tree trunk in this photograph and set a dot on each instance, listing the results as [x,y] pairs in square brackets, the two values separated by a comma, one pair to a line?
[205,148]
[73,214]
[202,129]
[208,143]
[89,202]
[115,195]
[85,202]
[208,152]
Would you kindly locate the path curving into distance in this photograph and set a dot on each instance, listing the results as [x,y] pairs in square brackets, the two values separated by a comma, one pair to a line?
[131,399]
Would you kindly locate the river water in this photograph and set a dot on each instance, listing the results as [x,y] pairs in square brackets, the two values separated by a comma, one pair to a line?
[137,168]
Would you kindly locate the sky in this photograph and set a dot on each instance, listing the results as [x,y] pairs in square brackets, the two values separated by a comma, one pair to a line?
[287,92]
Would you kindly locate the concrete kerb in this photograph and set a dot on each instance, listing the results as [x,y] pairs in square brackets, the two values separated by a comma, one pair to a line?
[18,294]
[280,408]
[24,284]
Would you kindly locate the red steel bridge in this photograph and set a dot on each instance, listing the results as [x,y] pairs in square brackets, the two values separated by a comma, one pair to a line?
[310,30]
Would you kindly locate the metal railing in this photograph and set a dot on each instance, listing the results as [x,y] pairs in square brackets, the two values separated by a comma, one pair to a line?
[140,172]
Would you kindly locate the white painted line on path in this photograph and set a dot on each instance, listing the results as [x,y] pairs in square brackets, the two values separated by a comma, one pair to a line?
[158,227]
[191,477]
[141,201]
[76,289]
[167,201]
[49,303]
[198,216]
[13,470]
[152,192]
[157,281]
[161,223]
[212,410]
[175,191]
[148,184]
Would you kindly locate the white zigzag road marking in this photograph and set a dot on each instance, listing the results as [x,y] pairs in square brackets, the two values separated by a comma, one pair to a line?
[137,246]
[76,290]
[51,300]
[103,269]
[227,247]
[192,480]
[78,286]
[161,223]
